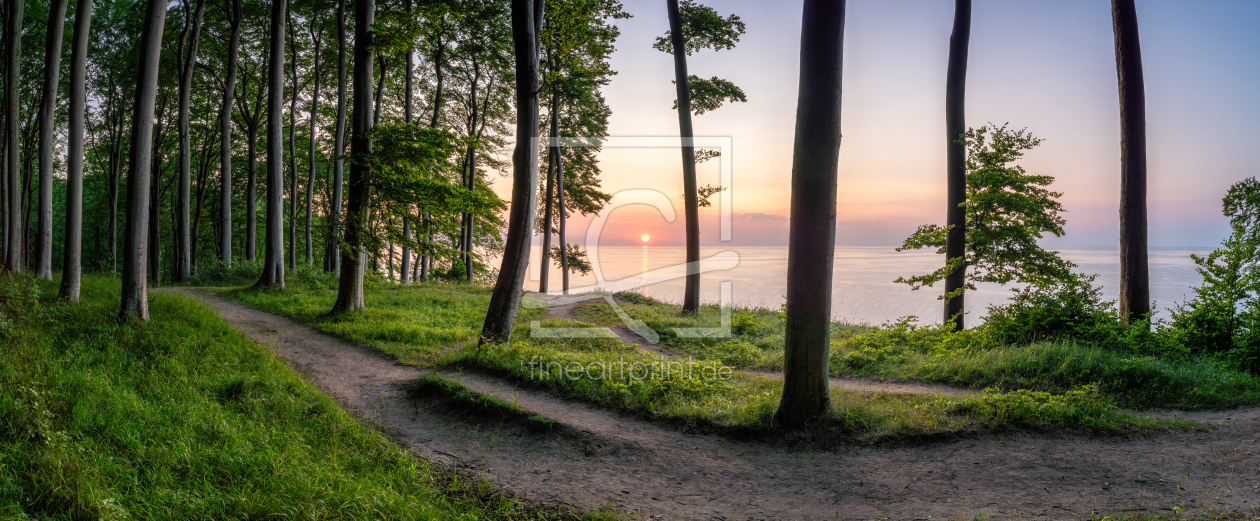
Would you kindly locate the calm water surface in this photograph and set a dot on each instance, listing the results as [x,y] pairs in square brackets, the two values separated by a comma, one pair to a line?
[862,288]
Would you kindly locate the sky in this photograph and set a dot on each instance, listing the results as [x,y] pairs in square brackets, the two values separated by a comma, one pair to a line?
[1046,66]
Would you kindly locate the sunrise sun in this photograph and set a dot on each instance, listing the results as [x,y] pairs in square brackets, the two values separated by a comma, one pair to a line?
[645,237]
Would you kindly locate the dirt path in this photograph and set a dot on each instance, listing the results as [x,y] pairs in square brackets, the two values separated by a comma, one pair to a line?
[661,473]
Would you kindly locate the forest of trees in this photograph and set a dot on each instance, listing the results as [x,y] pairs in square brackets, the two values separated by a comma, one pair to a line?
[252,133]
[366,136]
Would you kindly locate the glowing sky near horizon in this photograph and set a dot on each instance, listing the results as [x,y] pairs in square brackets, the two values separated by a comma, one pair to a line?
[1047,66]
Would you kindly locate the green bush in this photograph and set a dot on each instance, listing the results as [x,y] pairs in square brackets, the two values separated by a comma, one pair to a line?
[900,340]
[734,352]
[1223,318]
[1072,308]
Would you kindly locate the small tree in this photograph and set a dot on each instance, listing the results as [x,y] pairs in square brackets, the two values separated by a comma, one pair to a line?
[1008,210]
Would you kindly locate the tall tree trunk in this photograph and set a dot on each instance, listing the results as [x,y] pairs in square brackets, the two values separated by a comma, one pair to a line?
[339,144]
[251,192]
[134,289]
[956,163]
[1135,291]
[350,283]
[115,174]
[47,112]
[71,263]
[380,90]
[549,191]
[561,208]
[316,40]
[233,8]
[187,66]
[293,182]
[273,257]
[438,56]
[404,262]
[812,235]
[691,203]
[155,194]
[526,18]
[13,73]
[203,174]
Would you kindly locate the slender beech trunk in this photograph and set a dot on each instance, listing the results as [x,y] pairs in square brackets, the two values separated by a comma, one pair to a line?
[404,262]
[233,10]
[187,66]
[13,59]
[273,256]
[956,163]
[812,235]
[545,270]
[316,40]
[339,144]
[293,180]
[350,283]
[691,203]
[71,264]
[438,56]
[526,20]
[115,174]
[561,209]
[47,113]
[203,175]
[1135,291]
[380,90]
[134,287]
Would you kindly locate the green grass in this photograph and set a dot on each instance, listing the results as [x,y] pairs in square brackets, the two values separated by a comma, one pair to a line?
[904,351]
[185,418]
[406,321]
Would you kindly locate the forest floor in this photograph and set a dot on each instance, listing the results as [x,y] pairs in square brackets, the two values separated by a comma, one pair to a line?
[597,458]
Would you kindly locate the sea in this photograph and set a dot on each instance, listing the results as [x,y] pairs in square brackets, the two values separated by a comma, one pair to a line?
[863,291]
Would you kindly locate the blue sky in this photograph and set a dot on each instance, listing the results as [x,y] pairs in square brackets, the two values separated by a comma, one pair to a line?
[1047,66]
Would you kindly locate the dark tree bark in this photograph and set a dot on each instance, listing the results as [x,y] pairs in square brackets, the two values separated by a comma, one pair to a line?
[273,253]
[232,9]
[71,264]
[956,161]
[350,283]
[812,236]
[333,264]
[317,38]
[544,273]
[13,257]
[1135,291]
[438,56]
[187,66]
[526,19]
[134,287]
[293,179]
[691,203]
[47,113]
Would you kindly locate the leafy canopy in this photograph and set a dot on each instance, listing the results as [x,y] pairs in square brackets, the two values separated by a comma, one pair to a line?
[703,28]
[1007,211]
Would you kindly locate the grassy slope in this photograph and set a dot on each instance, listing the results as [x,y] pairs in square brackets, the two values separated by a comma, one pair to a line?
[186,418]
[434,325]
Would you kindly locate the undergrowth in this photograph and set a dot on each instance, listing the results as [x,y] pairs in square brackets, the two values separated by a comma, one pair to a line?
[184,417]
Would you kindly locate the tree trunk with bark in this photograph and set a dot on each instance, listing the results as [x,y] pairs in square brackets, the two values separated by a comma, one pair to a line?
[956,163]
[353,265]
[1135,291]
[811,241]
[233,10]
[13,256]
[316,40]
[526,21]
[273,253]
[187,66]
[691,203]
[134,288]
[71,264]
[47,114]
[333,263]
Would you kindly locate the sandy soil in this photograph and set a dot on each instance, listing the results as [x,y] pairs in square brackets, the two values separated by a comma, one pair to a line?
[603,458]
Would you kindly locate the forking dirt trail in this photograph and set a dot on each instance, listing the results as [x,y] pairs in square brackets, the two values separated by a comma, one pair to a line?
[606,459]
